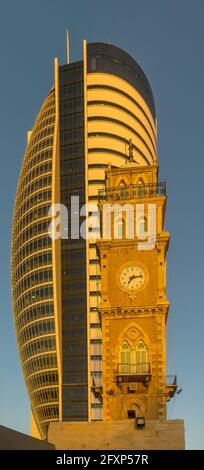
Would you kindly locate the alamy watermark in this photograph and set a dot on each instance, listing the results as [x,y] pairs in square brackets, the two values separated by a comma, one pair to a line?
[110,222]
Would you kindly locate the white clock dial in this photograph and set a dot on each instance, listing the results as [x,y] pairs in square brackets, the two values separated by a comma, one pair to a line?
[132,278]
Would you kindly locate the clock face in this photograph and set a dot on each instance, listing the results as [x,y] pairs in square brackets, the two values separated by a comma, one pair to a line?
[132,277]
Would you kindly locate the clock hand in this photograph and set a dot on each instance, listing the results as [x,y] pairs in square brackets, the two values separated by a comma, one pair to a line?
[134,277]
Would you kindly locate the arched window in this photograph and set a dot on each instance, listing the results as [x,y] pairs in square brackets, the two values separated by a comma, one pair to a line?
[140,182]
[125,358]
[140,188]
[122,190]
[141,357]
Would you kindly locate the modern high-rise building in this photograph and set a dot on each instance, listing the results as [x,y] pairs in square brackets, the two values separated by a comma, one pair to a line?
[89,350]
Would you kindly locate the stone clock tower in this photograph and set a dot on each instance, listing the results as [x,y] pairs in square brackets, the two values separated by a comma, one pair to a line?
[134,306]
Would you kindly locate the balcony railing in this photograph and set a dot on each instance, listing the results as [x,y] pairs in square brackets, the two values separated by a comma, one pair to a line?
[171,385]
[132,192]
[133,371]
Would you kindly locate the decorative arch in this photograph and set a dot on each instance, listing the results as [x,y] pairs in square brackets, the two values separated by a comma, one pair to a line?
[122,183]
[140,182]
[133,404]
[132,333]
[134,336]
[122,189]
[139,190]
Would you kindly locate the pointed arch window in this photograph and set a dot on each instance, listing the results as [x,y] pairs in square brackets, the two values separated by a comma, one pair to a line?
[141,357]
[125,358]
[140,188]
[140,182]
[123,189]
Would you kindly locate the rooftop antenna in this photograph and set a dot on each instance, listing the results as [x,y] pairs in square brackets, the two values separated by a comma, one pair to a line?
[67,47]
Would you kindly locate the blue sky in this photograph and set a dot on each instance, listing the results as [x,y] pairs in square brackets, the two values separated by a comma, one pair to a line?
[166,37]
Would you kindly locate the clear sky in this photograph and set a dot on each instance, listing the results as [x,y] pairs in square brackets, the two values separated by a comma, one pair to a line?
[166,37]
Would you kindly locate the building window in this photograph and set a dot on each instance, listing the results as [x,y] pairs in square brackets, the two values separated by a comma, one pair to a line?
[140,192]
[133,361]
[125,358]
[141,357]
[123,189]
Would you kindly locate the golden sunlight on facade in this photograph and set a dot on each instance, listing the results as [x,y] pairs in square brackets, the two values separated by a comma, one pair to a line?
[90,314]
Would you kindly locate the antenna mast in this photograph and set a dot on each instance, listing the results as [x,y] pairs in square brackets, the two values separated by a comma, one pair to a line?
[67,47]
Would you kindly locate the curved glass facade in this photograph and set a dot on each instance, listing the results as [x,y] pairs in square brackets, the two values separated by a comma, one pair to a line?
[120,107]
[32,278]
[107,58]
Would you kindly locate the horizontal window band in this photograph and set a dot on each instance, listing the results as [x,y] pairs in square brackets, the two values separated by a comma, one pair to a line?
[120,123]
[34,341]
[41,164]
[96,341]
[90,182]
[39,304]
[35,162]
[96,405]
[76,385]
[122,108]
[31,290]
[100,166]
[68,130]
[107,150]
[37,252]
[74,342]
[121,92]
[70,401]
[96,373]
[67,144]
[37,375]
[121,139]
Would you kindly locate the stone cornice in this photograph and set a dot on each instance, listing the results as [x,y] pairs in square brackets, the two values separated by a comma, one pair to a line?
[130,311]
[124,243]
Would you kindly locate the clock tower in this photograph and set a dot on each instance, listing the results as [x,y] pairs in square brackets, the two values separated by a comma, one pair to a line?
[133,306]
